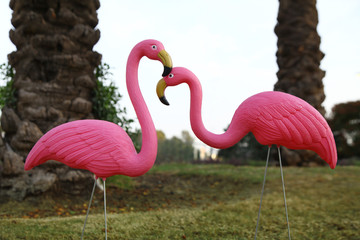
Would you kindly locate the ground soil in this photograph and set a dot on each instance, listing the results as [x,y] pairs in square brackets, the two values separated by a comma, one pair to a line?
[150,192]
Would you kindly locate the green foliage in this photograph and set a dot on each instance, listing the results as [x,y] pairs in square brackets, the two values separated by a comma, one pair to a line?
[106,99]
[7,92]
[345,123]
[246,149]
[136,138]
[175,149]
[170,150]
[120,181]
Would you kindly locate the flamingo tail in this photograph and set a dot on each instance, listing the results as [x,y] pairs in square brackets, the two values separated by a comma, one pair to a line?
[38,155]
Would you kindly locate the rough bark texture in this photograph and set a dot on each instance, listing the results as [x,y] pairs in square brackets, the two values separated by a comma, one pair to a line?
[298,58]
[54,64]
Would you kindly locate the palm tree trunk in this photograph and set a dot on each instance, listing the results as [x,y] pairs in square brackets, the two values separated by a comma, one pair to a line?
[298,58]
[54,77]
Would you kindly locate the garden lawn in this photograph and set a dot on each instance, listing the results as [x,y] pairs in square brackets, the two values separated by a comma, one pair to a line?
[183,201]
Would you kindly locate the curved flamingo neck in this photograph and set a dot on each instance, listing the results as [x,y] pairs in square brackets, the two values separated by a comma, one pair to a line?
[233,134]
[147,155]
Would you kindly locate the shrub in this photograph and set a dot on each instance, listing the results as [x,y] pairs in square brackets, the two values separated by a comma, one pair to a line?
[7,92]
[106,99]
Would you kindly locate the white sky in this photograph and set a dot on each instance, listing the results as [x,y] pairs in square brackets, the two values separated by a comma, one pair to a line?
[230,45]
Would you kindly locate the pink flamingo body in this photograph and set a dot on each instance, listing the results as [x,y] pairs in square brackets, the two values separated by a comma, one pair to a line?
[103,147]
[273,117]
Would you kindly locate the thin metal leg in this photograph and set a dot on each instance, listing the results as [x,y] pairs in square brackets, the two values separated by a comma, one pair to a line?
[88,210]
[105,210]
[283,186]
[262,192]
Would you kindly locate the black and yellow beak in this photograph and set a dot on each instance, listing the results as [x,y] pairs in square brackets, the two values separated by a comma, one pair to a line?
[166,61]
[160,91]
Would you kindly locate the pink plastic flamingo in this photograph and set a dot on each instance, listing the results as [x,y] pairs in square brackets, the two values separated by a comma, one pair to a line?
[273,117]
[103,147]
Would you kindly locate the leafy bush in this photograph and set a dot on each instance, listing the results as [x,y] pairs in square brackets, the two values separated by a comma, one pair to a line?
[175,149]
[246,149]
[106,99]
[345,123]
[7,92]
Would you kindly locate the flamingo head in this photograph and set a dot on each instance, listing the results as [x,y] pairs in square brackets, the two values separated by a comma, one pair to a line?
[177,76]
[155,50]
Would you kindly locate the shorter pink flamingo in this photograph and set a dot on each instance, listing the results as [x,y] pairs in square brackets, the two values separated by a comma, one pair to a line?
[103,147]
[273,117]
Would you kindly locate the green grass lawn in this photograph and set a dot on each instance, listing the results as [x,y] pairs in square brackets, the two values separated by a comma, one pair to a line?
[182,201]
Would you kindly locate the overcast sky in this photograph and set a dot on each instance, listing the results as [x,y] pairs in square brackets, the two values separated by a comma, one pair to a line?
[230,45]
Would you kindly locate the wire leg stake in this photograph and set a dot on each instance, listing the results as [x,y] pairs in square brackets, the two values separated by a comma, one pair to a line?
[105,211]
[88,210]
[262,192]
[283,186]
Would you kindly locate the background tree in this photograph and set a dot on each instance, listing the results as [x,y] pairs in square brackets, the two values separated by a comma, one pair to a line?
[246,149]
[345,123]
[187,147]
[53,83]
[298,58]
[175,149]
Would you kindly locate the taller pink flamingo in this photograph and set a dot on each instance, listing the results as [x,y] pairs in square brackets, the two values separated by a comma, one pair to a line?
[273,117]
[103,147]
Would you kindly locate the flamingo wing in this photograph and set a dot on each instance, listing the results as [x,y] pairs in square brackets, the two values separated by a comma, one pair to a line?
[98,146]
[283,119]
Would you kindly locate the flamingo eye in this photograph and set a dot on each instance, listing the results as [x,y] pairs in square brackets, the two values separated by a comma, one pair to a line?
[171,75]
[154,47]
